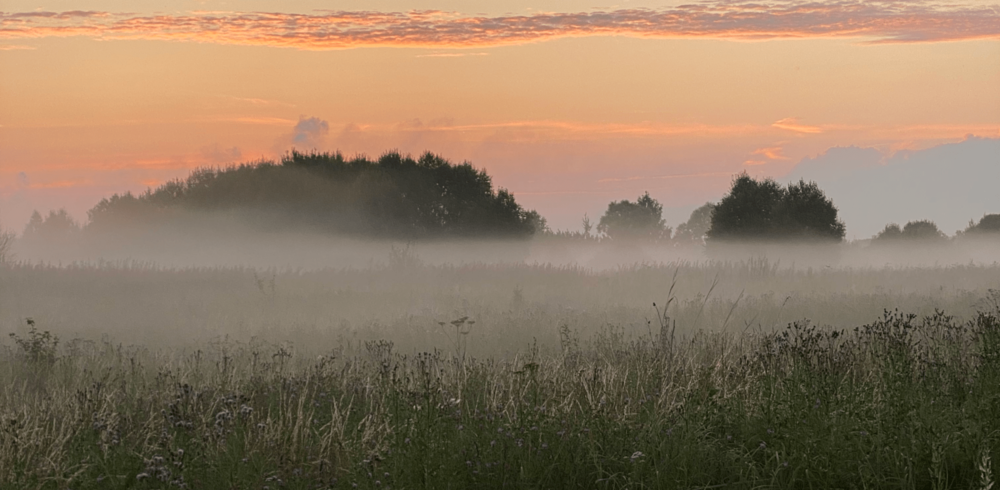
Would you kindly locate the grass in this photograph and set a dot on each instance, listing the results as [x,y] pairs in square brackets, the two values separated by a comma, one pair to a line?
[901,402]
[490,376]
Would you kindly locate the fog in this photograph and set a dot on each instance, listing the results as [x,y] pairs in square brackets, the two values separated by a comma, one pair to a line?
[165,288]
[218,241]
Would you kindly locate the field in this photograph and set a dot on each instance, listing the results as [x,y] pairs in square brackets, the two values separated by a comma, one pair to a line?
[410,373]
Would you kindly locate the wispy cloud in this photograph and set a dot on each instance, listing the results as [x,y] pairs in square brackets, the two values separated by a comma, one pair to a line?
[792,124]
[450,55]
[15,47]
[871,21]
[771,153]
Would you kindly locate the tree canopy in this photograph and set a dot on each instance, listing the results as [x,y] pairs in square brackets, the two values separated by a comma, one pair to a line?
[395,196]
[989,224]
[921,231]
[627,220]
[763,210]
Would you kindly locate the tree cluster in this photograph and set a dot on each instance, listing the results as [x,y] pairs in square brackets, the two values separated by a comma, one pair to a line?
[913,231]
[395,196]
[399,197]
[763,210]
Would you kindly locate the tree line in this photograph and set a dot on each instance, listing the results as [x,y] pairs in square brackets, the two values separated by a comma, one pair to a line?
[399,197]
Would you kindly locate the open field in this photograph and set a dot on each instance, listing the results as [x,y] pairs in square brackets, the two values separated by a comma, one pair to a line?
[410,375]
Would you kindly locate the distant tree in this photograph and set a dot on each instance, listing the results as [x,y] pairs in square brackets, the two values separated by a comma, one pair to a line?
[639,220]
[57,225]
[913,231]
[892,231]
[989,224]
[694,230]
[395,196]
[763,210]
[6,243]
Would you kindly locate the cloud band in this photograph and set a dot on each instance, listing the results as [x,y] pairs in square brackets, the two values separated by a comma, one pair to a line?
[873,21]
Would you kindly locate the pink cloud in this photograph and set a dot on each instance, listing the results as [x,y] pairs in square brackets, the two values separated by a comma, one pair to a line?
[873,21]
[771,153]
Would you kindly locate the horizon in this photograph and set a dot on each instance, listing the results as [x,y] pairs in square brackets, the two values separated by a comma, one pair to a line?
[569,107]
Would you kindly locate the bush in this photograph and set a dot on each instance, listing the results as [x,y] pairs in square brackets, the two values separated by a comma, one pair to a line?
[37,347]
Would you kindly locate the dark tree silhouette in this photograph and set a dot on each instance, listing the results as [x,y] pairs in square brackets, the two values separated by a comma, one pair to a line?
[914,231]
[639,220]
[392,197]
[989,224]
[697,225]
[763,210]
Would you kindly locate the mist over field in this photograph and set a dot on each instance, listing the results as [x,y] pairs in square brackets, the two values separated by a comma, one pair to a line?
[433,244]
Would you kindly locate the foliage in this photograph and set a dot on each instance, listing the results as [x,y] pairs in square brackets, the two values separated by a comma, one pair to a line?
[37,347]
[914,231]
[697,226]
[392,197]
[765,211]
[57,225]
[639,220]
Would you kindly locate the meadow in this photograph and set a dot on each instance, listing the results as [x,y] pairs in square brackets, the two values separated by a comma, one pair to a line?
[408,373]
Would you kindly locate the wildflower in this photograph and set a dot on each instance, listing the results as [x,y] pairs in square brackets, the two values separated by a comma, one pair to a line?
[636,455]
[763,445]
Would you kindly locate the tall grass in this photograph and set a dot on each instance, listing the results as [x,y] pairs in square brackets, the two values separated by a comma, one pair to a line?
[900,402]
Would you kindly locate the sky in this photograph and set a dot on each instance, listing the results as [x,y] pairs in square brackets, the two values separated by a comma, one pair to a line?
[567,103]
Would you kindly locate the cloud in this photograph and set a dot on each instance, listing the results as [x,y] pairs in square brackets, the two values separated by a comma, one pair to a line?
[771,153]
[308,134]
[16,47]
[792,124]
[450,55]
[879,21]
[310,130]
[948,184]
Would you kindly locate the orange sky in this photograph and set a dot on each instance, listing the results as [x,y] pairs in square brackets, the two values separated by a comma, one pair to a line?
[569,108]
